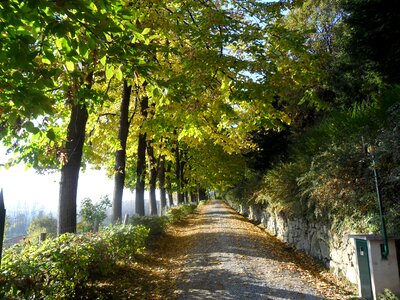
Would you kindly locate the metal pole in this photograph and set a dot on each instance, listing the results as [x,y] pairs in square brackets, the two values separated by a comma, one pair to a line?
[385,250]
[2,222]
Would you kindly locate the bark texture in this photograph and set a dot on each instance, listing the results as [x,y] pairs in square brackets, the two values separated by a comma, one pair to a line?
[161,181]
[141,161]
[152,179]
[178,174]
[120,155]
[71,159]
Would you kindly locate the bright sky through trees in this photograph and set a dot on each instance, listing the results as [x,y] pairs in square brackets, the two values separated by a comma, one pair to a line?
[67,58]
[26,189]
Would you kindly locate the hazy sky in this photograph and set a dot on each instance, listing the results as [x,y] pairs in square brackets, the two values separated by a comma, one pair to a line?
[24,188]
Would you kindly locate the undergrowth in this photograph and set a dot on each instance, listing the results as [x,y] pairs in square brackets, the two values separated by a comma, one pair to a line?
[59,268]
[158,224]
[62,268]
[328,176]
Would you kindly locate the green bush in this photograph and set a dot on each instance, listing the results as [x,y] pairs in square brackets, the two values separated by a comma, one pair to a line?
[125,241]
[93,213]
[387,295]
[42,224]
[244,192]
[280,189]
[328,176]
[177,213]
[59,268]
[156,224]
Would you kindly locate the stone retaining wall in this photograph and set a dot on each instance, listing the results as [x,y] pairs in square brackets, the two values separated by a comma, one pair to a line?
[317,240]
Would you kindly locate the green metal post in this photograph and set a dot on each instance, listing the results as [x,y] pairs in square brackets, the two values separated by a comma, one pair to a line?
[2,222]
[385,250]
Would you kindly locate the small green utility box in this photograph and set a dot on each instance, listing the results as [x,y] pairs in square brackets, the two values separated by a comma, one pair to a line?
[376,273]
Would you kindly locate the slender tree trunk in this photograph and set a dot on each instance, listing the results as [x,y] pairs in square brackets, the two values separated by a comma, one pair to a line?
[120,155]
[178,174]
[198,193]
[169,185]
[203,194]
[170,198]
[193,197]
[152,179]
[161,181]
[141,161]
[72,159]
[182,180]
[187,195]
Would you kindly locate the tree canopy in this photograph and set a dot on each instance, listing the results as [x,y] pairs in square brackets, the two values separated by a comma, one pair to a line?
[179,92]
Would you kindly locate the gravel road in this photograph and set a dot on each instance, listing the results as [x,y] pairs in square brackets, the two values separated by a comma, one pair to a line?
[230,258]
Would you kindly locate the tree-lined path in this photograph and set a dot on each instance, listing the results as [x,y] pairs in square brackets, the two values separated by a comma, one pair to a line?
[228,257]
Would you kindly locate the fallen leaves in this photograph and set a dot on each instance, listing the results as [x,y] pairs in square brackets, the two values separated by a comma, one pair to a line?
[154,275]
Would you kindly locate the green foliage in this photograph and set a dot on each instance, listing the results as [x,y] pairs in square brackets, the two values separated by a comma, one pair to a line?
[155,224]
[59,268]
[93,214]
[374,34]
[7,225]
[125,240]
[387,295]
[244,191]
[42,224]
[279,189]
[328,176]
[177,213]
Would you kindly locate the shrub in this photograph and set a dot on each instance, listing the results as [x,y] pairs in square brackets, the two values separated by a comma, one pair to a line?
[58,268]
[156,224]
[93,213]
[125,240]
[177,213]
[327,175]
[47,224]
[387,295]
[280,189]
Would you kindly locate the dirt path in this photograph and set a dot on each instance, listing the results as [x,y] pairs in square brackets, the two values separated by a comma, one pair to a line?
[227,257]
[217,254]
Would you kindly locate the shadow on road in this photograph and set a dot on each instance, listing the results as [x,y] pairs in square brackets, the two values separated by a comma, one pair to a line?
[234,286]
[230,259]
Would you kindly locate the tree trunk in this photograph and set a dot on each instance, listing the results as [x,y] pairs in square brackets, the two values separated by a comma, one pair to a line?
[203,194]
[161,181]
[169,185]
[182,180]
[152,179]
[2,222]
[70,170]
[120,155]
[170,198]
[193,197]
[141,161]
[178,175]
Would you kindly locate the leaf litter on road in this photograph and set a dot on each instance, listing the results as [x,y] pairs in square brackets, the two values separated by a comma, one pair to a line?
[156,273]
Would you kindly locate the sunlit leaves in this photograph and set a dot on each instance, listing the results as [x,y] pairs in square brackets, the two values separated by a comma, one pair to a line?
[70,66]
[208,70]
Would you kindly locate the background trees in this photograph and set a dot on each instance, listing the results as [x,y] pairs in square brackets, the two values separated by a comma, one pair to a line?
[323,173]
[185,95]
[374,35]
[42,224]
[93,214]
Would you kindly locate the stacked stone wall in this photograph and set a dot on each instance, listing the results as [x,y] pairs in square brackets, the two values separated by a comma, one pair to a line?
[335,250]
